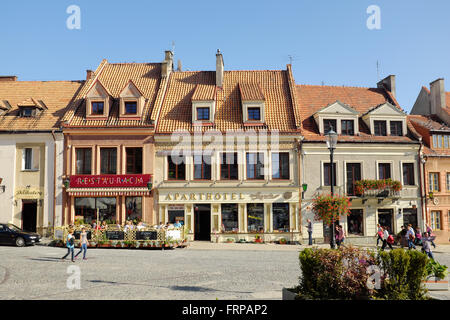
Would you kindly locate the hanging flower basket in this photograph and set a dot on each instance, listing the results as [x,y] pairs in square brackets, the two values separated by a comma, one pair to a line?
[329,208]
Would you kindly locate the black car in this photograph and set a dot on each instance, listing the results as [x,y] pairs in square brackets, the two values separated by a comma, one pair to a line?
[11,234]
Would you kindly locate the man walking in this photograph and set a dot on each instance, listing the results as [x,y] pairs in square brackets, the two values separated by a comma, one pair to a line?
[70,245]
[310,230]
[410,236]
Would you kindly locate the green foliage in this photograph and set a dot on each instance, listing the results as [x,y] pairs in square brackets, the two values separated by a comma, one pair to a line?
[435,269]
[328,208]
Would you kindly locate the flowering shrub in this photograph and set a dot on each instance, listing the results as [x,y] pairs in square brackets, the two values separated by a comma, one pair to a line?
[363,185]
[328,208]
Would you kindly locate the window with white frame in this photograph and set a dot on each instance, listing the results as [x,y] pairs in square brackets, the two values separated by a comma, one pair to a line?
[30,158]
[436,220]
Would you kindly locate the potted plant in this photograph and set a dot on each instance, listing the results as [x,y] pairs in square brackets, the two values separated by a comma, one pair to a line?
[436,276]
[230,240]
[258,239]
[282,241]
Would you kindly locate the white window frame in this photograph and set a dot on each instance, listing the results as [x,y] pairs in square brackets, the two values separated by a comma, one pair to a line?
[35,156]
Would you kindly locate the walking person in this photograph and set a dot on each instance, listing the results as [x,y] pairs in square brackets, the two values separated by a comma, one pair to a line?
[426,244]
[70,245]
[310,230]
[340,235]
[385,239]
[83,241]
[410,236]
[379,234]
[430,234]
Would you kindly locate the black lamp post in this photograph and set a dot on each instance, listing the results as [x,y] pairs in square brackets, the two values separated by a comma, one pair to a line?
[331,145]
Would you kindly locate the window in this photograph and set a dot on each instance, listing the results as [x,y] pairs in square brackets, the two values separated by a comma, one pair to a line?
[177,168]
[396,128]
[434,181]
[347,127]
[108,160]
[384,171]
[280,165]
[230,217]
[202,167]
[408,174]
[130,107]
[327,174]
[436,220]
[280,213]
[448,181]
[353,175]
[97,108]
[446,142]
[380,128]
[134,160]
[255,217]
[86,208]
[84,161]
[176,214]
[254,113]
[203,113]
[229,166]
[441,141]
[28,112]
[355,222]
[30,158]
[329,124]
[410,217]
[255,166]
[133,207]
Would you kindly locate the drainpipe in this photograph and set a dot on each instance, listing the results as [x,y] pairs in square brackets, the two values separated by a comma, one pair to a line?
[54,178]
[422,162]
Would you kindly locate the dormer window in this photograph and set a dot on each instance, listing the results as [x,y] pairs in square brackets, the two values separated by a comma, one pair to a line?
[396,128]
[28,112]
[203,105]
[131,107]
[347,127]
[329,124]
[339,116]
[31,108]
[380,128]
[203,113]
[254,114]
[253,103]
[98,108]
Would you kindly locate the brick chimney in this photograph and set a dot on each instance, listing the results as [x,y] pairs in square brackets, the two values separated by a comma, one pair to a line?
[437,96]
[388,83]
[8,78]
[219,69]
[167,64]
[89,74]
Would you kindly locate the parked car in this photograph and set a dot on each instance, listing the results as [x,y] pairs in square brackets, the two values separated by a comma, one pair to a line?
[11,234]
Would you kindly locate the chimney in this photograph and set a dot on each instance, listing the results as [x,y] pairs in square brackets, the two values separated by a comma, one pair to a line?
[437,96]
[8,78]
[388,83]
[89,74]
[179,67]
[167,65]
[219,69]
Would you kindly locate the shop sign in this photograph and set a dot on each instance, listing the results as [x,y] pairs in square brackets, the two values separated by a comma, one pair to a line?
[29,193]
[110,181]
[185,197]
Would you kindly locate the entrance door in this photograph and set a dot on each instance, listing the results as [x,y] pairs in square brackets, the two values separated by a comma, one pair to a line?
[410,217]
[29,216]
[385,218]
[202,222]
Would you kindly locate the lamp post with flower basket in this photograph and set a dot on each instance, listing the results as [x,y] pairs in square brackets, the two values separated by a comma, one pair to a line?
[331,145]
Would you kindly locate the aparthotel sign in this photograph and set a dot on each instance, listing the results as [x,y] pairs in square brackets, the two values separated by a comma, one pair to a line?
[110,181]
[170,197]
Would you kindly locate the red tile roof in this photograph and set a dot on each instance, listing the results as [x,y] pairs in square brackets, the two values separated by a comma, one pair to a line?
[430,124]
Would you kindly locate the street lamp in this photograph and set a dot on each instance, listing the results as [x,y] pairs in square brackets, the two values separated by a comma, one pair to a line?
[331,145]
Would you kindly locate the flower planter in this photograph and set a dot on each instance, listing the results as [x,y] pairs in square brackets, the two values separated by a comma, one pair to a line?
[258,241]
[436,284]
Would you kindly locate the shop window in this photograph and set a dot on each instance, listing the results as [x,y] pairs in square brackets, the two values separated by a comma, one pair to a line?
[230,214]
[108,161]
[329,124]
[380,128]
[86,208]
[133,207]
[384,171]
[408,174]
[176,214]
[433,181]
[410,217]
[229,166]
[436,220]
[327,174]
[280,165]
[355,222]
[347,127]
[396,128]
[255,166]
[202,167]
[280,213]
[84,161]
[30,158]
[255,217]
[177,168]
[134,160]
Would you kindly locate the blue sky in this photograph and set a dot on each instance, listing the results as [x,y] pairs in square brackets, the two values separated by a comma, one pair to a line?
[328,40]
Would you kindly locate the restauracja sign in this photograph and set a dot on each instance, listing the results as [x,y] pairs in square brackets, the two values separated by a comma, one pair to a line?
[102,181]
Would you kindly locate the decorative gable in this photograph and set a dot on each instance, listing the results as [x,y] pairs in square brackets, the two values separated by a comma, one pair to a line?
[340,114]
[98,101]
[387,115]
[132,101]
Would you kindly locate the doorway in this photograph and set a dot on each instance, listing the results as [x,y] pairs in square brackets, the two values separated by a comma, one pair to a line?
[202,222]
[29,215]
[385,218]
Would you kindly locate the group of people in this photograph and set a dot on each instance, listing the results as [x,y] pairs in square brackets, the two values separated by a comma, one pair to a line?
[71,245]
[384,236]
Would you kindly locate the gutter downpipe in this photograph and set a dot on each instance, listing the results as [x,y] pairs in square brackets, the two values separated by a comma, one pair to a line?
[54,178]
[422,162]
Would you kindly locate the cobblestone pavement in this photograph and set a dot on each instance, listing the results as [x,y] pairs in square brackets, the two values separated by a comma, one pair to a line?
[202,271]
